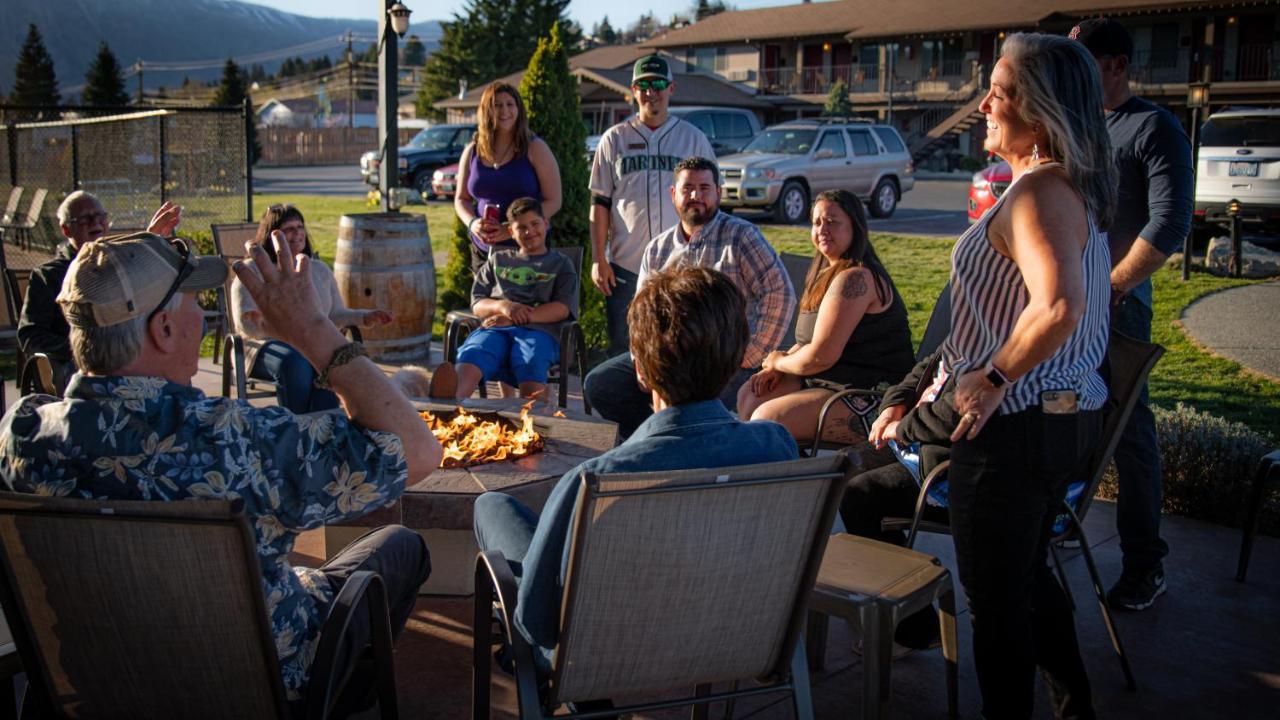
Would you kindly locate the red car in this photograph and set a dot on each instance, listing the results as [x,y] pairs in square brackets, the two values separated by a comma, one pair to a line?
[988,185]
[444,182]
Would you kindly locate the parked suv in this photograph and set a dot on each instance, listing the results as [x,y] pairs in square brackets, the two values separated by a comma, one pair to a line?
[728,129]
[434,147]
[1239,160]
[786,165]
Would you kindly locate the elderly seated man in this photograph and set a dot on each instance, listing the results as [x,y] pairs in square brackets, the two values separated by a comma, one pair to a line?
[42,328]
[133,428]
[685,359]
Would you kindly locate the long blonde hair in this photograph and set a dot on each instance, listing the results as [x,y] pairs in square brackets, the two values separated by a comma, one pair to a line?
[487,125]
[1056,84]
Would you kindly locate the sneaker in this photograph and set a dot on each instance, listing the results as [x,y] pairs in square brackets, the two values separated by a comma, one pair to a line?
[444,382]
[1136,591]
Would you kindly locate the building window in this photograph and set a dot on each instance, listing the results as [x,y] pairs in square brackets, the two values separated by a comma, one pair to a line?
[722,60]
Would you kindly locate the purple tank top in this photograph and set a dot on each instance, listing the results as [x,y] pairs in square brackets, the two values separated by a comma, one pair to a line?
[500,186]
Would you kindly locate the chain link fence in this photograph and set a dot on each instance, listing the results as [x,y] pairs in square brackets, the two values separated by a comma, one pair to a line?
[133,162]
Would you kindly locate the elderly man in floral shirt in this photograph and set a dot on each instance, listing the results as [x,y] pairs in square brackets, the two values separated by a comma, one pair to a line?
[133,428]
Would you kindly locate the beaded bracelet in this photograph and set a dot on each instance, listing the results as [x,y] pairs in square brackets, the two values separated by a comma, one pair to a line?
[341,356]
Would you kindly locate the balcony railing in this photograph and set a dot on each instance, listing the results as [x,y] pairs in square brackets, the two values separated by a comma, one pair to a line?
[864,78]
[1251,62]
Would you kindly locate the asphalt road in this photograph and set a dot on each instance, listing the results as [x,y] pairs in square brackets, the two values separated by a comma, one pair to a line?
[933,207]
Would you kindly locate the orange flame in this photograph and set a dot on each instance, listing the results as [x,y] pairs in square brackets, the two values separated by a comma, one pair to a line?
[477,438]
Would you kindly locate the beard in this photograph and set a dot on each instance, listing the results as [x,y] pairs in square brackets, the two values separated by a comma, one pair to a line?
[698,215]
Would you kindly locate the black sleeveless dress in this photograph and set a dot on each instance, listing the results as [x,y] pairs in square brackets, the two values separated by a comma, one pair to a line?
[878,350]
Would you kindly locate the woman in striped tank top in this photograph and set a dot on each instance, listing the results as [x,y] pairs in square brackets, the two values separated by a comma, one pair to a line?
[1030,290]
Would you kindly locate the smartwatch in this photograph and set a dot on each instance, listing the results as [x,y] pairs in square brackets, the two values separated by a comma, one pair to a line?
[995,377]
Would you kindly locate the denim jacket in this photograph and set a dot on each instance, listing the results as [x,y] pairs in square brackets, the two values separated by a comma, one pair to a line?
[697,435]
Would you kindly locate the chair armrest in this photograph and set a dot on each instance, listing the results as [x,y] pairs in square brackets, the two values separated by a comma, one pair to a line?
[934,476]
[454,323]
[327,681]
[874,395]
[496,589]
[354,333]
[36,376]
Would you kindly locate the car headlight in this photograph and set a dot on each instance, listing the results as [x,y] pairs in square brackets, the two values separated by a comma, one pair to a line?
[980,181]
[766,173]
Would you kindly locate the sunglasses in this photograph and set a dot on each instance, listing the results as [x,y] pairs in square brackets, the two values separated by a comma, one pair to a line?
[88,219]
[184,272]
[652,84]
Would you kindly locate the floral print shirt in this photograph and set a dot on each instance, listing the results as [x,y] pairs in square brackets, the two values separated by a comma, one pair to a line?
[144,438]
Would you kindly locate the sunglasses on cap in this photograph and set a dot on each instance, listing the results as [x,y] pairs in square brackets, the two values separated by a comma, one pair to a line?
[652,84]
[184,272]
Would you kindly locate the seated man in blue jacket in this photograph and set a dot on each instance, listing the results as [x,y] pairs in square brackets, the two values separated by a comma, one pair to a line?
[685,358]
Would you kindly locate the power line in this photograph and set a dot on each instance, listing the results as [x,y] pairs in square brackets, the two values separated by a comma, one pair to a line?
[291,51]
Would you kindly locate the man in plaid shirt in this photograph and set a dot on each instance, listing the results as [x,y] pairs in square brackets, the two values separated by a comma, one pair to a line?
[704,237]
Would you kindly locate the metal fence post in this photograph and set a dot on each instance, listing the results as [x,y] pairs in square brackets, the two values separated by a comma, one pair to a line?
[248,160]
[164,164]
[11,135]
[75,158]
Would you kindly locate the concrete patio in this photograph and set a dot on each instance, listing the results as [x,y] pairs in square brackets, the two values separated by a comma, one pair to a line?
[1209,648]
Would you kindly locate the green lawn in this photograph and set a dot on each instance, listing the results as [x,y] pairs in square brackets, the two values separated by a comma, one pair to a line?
[919,267]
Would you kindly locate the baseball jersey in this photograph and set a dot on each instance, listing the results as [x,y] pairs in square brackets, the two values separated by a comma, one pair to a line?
[634,168]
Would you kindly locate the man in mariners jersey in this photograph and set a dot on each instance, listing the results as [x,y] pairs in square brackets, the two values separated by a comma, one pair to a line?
[631,178]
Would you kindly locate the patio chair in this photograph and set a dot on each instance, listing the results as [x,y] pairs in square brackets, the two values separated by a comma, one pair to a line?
[864,403]
[573,345]
[228,243]
[797,267]
[1129,362]
[22,226]
[33,373]
[674,580]
[1268,473]
[156,610]
[11,208]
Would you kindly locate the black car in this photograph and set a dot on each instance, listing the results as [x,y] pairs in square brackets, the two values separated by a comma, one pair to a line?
[434,147]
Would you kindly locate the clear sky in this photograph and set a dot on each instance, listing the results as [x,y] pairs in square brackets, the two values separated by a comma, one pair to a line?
[586,12]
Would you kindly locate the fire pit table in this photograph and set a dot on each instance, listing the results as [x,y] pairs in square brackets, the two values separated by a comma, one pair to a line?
[440,506]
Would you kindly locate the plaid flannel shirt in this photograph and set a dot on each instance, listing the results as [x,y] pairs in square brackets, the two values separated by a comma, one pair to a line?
[736,248]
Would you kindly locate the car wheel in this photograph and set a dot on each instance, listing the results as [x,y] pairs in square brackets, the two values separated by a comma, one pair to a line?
[793,204]
[422,183]
[884,200]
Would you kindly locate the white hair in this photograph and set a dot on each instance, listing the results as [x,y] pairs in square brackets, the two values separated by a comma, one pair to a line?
[104,350]
[64,210]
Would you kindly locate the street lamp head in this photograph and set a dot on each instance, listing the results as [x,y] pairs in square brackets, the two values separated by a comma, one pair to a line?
[399,18]
[1197,95]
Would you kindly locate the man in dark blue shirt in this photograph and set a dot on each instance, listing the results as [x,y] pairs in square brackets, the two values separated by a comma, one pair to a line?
[1153,217]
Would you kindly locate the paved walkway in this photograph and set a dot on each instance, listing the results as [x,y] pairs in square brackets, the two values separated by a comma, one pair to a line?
[1242,324]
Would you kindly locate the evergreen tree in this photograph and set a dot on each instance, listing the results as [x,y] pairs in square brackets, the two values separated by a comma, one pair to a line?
[605,32]
[414,53]
[838,104]
[34,81]
[104,83]
[287,69]
[704,9]
[467,45]
[233,90]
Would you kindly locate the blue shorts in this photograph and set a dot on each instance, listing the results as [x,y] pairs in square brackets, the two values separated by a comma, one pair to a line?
[511,354]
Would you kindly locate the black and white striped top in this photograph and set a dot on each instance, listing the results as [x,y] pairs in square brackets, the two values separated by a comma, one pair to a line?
[988,295]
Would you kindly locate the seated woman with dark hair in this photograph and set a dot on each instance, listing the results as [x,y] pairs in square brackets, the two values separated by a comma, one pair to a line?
[274,360]
[686,359]
[852,328]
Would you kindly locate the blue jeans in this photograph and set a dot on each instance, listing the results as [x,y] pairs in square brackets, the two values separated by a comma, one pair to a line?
[294,378]
[614,392]
[1138,464]
[615,309]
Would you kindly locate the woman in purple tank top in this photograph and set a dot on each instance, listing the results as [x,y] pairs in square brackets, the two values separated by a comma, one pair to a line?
[503,163]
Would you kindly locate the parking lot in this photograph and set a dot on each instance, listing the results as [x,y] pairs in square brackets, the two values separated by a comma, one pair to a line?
[934,207]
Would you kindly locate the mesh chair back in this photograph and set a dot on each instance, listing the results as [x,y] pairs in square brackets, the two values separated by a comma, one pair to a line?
[688,577]
[16,281]
[10,308]
[37,204]
[138,609]
[228,241]
[797,267]
[11,208]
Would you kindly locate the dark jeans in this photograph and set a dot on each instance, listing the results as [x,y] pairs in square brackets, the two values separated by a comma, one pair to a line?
[615,309]
[1005,489]
[1138,463]
[399,556]
[294,378]
[615,393]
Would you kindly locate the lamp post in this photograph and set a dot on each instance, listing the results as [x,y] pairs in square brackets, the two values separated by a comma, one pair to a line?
[1197,97]
[393,23]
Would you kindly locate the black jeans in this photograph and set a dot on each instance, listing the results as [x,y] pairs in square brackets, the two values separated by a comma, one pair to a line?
[1005,488]
[615,309]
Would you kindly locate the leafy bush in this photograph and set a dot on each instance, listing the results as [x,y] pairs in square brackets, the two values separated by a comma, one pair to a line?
[455,283]
[1209,465]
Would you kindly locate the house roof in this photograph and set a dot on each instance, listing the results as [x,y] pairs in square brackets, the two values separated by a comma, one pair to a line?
[885,18]
[691,88]
[607,58]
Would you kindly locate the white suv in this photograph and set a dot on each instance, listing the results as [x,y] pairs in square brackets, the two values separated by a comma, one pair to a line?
[1240,160]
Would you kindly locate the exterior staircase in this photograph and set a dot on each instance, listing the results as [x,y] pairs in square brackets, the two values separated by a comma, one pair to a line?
[957,122]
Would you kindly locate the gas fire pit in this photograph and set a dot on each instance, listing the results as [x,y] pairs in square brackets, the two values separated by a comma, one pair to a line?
[440,507]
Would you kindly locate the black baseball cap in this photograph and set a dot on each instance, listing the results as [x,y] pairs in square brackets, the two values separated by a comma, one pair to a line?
[651,66]
[1103,37]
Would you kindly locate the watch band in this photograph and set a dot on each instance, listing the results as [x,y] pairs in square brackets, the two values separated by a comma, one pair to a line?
[995,377]
[341,356]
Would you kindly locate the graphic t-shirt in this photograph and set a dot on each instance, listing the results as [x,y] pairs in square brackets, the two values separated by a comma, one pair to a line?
[532,280]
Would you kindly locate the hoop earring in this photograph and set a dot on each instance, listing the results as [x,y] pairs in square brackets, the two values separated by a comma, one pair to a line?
[1035,152]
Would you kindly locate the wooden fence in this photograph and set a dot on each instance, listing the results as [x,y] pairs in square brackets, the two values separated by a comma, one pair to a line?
[319,146]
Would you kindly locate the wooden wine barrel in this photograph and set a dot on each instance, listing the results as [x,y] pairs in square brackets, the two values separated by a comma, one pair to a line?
[383,261]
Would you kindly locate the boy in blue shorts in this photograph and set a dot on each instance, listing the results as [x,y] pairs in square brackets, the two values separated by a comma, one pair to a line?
[522,295]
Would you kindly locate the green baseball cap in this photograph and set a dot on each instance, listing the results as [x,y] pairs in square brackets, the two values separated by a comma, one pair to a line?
[651,66]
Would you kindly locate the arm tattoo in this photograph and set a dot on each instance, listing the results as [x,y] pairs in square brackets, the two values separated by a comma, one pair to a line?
[854,286]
